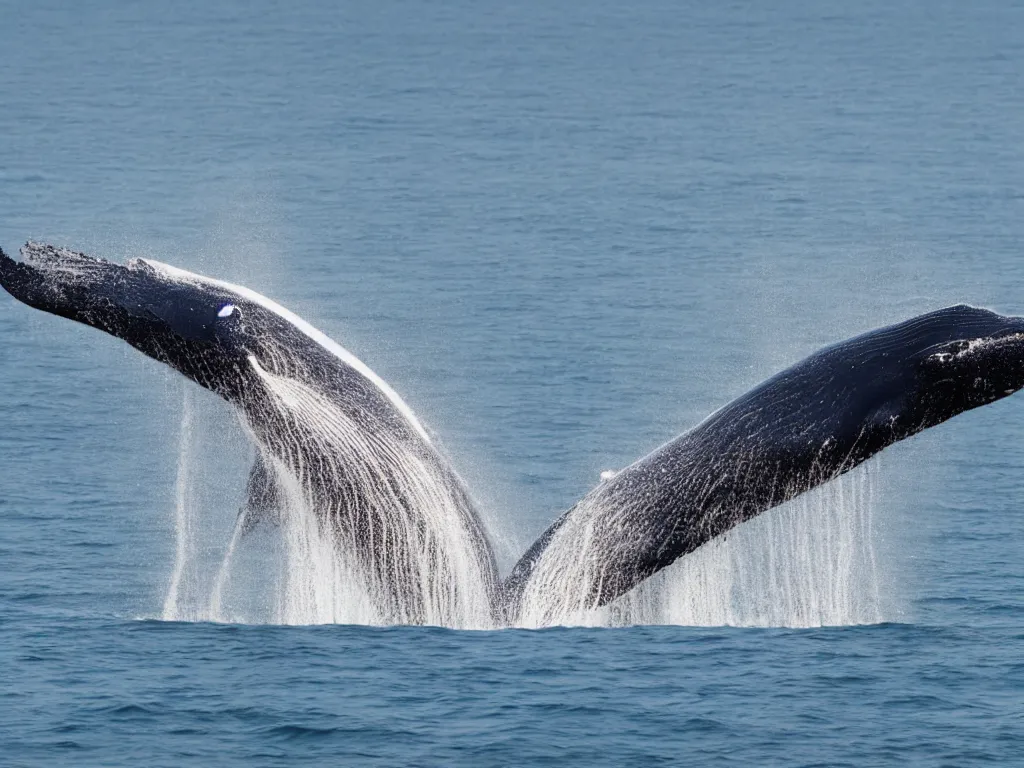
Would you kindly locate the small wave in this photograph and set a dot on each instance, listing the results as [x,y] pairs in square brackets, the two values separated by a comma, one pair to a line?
[300,732]
[130,711]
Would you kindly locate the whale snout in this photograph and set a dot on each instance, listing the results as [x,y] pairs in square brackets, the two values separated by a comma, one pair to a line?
[123,300]
[67,283]
[53,259]
[169,315]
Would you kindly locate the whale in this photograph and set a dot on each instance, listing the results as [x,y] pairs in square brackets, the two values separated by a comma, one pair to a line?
[387,504]
[799,429]
[400,522]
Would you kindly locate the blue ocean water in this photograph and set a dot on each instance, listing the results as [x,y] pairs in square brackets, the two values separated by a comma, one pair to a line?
[565,234]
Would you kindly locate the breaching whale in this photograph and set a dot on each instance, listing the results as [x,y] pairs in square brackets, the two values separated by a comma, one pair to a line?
[803,427]
[385,498]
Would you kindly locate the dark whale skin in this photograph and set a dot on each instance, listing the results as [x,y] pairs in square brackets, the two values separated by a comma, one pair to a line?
[384,496]
[801,428]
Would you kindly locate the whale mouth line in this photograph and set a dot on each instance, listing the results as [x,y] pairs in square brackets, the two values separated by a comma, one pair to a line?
[972,347]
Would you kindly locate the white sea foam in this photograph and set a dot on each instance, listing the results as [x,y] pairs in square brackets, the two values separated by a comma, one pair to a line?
[810,562]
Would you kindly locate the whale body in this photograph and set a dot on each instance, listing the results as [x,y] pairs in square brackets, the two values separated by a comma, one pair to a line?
[388,506]
[400,522]
[799,429]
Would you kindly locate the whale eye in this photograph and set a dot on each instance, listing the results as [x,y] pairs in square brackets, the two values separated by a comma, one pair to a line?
[228,310]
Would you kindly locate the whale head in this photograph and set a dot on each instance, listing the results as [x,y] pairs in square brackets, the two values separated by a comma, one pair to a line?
[214,332]
[965,357]
[202,329]
[913,375]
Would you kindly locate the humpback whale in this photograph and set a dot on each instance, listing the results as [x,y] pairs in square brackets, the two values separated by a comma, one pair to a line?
[384,496]
[803,427]
[398,517]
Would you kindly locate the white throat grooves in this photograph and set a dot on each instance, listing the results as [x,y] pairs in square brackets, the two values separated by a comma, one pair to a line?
[316,335]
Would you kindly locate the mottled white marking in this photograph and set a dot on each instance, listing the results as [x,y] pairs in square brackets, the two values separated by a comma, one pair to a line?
[975,344]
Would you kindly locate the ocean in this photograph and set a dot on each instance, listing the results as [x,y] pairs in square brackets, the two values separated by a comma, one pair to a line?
[564,233]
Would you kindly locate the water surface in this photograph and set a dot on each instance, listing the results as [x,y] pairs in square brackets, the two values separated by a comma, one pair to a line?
[564,235]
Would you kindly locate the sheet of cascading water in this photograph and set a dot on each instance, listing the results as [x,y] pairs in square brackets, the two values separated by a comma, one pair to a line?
[316,586]
[179,604]
[285,572]
[811,562]
[211,466]
[288,571]
[326,581]
[216,611]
